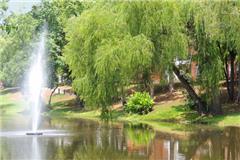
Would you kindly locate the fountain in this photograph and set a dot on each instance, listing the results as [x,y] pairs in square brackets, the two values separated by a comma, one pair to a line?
[33,87]
[35,83]
[33,139]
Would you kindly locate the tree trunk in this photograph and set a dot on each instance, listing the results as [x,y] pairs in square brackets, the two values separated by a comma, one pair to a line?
[201,106]
[50,98]
[151,89]
[238,97]
[171,81]
[79,102]
[148,83]
[222,49]
[216,107]
[226,73]
[232,60]
[123,98]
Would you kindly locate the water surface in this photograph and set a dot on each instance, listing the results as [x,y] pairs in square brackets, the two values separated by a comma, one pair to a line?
[85,139]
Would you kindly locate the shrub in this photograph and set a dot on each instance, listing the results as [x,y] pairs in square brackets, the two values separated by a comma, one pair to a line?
[140,103]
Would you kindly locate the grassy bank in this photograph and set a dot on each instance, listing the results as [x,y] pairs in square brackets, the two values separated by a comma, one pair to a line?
[173,111]
[11,102]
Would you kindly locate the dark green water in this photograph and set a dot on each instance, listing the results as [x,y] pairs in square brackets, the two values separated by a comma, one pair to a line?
[90,140]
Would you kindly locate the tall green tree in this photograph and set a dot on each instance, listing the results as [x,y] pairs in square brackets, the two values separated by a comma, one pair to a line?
[162,22]
[102,55]
[228,39]
[56,13]
[221,24]
[204,29]
[158,22]
[16,48]
[217,43]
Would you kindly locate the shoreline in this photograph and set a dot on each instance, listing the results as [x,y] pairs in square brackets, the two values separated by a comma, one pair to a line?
[229,120]
[174,112]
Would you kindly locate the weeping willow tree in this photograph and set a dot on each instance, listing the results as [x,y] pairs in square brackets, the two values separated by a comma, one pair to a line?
[161,22]
[207,56]
[221,25]
[210,70]
[217,43]
[228,41]
[202,28]
[103,56]
[164,23]
[112,43]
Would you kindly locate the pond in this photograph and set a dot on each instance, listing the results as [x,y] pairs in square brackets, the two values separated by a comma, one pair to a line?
[88,140]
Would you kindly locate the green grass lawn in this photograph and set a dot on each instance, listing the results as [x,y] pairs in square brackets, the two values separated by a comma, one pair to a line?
[9,104]
[174,112]
[223,120]
[164,113]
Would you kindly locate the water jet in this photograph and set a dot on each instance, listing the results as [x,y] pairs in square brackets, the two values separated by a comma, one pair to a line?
[35,82]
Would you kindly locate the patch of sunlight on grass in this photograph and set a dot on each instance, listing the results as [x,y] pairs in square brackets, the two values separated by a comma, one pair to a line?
[161,112]
[68,112]
[224,120]
[9,105]
[62,98]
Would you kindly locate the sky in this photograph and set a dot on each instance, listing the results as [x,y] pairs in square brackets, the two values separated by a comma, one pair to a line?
[21,6]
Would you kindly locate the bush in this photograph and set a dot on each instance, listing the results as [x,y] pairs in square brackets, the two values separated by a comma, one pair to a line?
[140,103]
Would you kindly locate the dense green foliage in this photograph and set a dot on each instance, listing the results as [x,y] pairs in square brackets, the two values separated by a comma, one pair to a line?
[19,32]
[108,50]
[216,40]
[104,47]
[140,103]
[104,57]
[16,48]
[55,13]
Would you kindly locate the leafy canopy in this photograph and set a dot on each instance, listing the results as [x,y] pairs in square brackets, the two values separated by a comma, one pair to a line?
[112,44]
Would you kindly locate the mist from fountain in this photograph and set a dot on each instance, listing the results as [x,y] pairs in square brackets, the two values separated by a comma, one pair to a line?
[36,81]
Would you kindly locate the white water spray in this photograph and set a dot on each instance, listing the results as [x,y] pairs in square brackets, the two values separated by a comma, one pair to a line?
[35,81]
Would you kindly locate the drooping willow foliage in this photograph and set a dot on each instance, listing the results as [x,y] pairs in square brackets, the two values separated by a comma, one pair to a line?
[111,43]
[217,43]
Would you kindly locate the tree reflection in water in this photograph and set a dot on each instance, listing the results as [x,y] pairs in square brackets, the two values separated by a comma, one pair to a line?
[223,144]
[98,140]
[141,141]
